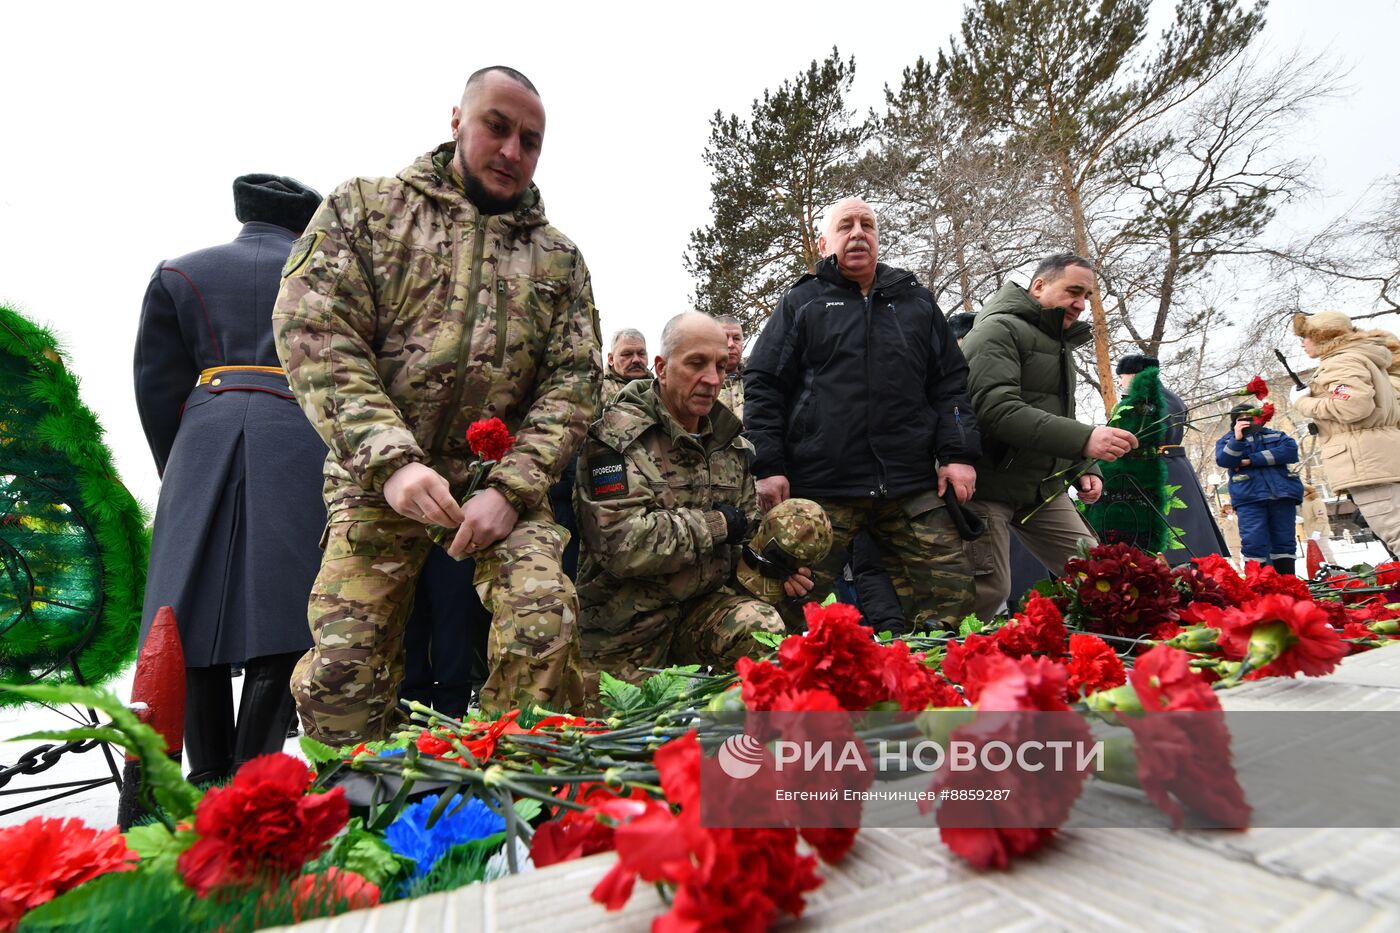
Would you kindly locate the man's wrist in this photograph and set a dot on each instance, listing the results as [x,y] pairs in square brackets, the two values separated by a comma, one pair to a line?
[381,476]
[512,500]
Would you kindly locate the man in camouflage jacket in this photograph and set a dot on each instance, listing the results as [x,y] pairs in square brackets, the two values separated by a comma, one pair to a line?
[731,395]
[627,360]
[664,500]
[412,307]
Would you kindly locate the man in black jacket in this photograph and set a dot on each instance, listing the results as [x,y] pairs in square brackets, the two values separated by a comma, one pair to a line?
[853,391]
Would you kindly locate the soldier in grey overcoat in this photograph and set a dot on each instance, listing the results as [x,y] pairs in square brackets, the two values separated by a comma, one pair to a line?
[234,549]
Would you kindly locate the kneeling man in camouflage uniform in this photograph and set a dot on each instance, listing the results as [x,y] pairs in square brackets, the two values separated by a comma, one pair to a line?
[414,306]
[664,502]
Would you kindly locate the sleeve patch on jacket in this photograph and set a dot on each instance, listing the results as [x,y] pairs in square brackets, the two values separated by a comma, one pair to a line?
[607,475]
[1342,392]
[301,251]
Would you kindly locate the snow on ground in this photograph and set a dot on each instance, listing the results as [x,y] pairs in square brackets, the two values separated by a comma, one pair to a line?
[97,807]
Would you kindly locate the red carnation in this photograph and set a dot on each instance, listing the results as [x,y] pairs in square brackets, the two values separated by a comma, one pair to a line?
[262,823]
[1227,580]
[910,683]
[1183,757]
[1164,681]
[1358,637]
[1388,573]
[581,832]
[45,857]
[1263,580]
[334,892]
[763,682]
[1093,666]
[958,663]
[1342,582]
[1280,636]
[1037,629]
[988,833]
[837,654]
[1266,414]
[724,879]
[831,843]
[1256,387]
[489,439]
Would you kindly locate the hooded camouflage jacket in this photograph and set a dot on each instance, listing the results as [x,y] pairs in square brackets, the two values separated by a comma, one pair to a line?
[612,385]
[646,491]
[404,315]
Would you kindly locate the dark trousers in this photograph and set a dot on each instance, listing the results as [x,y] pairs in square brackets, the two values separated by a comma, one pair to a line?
[874,591]
[216,746]
[561,501]
[1266,529]
[445,637]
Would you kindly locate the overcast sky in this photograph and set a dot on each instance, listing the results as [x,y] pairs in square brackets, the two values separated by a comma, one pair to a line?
[125,124]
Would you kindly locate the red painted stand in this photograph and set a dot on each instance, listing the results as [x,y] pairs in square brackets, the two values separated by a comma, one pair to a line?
[1314,559]
[160,685]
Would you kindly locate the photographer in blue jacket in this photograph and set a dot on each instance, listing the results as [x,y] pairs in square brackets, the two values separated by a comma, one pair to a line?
[1264,491]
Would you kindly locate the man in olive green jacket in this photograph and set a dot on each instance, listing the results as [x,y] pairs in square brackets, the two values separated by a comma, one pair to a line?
[413,306]
[1021,381]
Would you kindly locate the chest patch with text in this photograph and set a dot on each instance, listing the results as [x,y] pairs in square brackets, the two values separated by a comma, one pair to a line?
[607,475]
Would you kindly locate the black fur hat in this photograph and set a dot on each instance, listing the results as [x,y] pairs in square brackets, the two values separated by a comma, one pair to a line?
[961,324]
[274,199]
[1134,363]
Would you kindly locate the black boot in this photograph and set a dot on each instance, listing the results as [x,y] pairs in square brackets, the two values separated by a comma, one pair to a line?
[1284,565]
[208,724]
[265,707]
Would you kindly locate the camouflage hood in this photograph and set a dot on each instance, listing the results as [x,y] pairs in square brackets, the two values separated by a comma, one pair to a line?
[405,314]
[433,175]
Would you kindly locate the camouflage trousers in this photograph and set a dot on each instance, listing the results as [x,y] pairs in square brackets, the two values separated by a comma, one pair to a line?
[713,630]
[346,686]
[919,546]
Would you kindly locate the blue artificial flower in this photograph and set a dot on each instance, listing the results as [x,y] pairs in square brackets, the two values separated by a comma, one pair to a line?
[393,752]
[411,837]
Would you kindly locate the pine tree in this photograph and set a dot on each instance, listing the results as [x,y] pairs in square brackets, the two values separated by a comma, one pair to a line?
[773,175]
[1080,79]
[958,203]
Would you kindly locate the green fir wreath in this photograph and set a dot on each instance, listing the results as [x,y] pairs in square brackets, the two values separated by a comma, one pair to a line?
[1135,498]
[73,540]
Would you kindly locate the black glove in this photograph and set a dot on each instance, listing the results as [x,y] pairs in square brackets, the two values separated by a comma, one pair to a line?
[736,521]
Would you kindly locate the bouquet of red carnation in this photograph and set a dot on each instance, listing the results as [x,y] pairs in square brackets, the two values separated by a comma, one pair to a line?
[1120,590]
[490,440]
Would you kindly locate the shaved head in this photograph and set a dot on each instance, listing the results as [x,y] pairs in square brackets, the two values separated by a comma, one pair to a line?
[478,78]
[690,367]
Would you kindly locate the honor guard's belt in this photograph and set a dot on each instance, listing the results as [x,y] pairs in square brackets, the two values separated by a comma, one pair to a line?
[247,378]
[1171,450]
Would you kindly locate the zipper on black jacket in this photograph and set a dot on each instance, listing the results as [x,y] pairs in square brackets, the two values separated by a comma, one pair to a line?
[880,489]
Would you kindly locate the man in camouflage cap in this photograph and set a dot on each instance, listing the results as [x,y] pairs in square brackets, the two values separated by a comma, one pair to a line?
[665,501]
[412,307]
